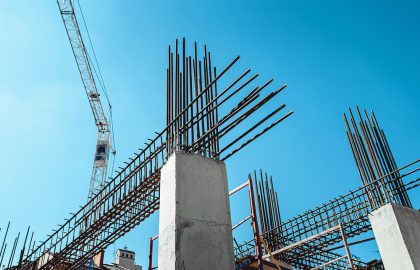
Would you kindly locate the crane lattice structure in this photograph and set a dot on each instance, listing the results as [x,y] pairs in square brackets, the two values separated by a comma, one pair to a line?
[85,65]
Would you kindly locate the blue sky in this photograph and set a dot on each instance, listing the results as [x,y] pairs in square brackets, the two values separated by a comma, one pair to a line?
[332,55]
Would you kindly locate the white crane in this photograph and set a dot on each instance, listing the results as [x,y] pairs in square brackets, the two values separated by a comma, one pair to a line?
[104,144]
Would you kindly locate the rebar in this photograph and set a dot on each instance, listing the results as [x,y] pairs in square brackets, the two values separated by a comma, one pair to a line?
[198,119]
[374,159]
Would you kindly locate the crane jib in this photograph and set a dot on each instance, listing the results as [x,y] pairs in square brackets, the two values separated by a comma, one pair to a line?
[103,144]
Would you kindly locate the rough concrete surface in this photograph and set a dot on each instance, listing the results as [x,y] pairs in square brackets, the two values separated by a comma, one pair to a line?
[397,232]
[194,222]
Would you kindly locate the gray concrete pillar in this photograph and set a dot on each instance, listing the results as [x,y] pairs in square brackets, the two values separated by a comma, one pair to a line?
[195,231]
[397,232]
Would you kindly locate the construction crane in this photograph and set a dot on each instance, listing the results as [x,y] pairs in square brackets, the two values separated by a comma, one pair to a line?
[103,121]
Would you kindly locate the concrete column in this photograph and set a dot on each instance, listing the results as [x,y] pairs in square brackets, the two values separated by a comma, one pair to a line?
[397,232]
[195,230]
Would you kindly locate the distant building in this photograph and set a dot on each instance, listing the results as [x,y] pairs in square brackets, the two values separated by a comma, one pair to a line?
[124,260]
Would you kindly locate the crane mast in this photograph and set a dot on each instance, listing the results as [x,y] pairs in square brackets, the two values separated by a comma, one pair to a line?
[104,144]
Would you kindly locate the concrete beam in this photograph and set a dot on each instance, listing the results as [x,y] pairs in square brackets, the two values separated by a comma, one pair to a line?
[397,232]
[195,230]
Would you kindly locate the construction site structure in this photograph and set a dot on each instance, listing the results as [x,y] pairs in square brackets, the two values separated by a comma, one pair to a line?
[382,204]
[194,218]
[311,240]
[181,168]
[206,107]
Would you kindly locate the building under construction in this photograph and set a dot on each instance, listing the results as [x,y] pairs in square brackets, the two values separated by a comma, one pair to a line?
[180,172]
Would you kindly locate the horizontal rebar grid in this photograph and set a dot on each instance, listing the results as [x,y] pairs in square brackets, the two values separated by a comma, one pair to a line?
[382,183]
[351,210]
[199,118]
[270,223]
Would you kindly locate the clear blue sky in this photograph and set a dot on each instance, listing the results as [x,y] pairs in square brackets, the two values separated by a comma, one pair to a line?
[332,54]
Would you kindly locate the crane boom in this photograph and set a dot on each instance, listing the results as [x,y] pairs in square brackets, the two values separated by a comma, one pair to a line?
[103,145]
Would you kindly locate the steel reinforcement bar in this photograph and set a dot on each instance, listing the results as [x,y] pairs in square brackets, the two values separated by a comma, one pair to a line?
[199,118]
[350,210]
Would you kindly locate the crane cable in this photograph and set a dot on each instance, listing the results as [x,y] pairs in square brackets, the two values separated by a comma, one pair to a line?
[99,76]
